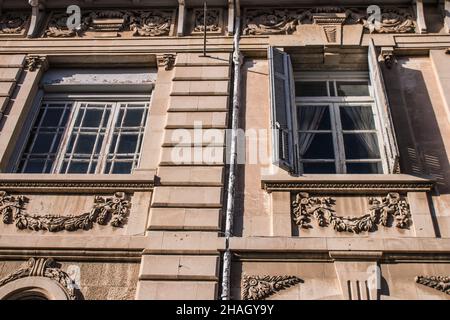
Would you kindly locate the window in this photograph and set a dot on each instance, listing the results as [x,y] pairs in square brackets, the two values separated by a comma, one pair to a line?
[331,122]
[85,136]
[336,125]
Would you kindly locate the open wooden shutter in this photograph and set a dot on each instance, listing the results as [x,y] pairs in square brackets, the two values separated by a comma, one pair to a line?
[282,105]
[382,104]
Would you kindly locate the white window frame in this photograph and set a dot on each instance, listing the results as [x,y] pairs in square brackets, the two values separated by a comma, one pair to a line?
[334,103]
[77,100]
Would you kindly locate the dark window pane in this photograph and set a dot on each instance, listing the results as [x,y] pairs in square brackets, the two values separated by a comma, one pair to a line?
[92,118]
[352,88]
[98,148]
[122,167]
[324,167]
[52,117]
[357,118]
[56,143]
[278,62]
[311,89]
[361,146]
[127,143]
[78,167]
[316,146]
[364,167]
[34,166]
[85,144]
[43,143]
[331,86]
[112,147]
[133,118]
[314,118]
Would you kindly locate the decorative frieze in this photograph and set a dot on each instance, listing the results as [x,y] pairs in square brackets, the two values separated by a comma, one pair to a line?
[105,209]
[285,21]
[43,267]
[441,283]
[149,23]
[305,208]
[261,287]
[213,21]
[14,23]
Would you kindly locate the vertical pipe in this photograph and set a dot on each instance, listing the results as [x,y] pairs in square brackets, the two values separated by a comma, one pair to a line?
[226,273]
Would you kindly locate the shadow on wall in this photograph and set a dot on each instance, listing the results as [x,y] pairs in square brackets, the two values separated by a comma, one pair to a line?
[420,139]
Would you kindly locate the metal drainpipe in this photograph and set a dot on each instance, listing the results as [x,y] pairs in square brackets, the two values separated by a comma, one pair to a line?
[226,273]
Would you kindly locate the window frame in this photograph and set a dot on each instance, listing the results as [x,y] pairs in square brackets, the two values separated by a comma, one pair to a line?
[76,99]
[334,103]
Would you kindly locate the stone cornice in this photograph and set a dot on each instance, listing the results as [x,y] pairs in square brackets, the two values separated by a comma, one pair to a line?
[369,184]
[76,183]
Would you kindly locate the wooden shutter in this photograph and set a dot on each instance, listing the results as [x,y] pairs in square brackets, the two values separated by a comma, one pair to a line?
[283,109]
[384,113]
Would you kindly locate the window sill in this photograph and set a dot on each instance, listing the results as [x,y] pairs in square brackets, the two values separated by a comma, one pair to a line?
[77,183]
[346,183]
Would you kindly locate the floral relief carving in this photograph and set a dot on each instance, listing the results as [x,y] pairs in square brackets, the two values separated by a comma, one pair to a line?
[140,23]
[105,209]
[321,209]
[441,283]
[13,23]
[261,287]
[213,20]
[285,21]
[44,267]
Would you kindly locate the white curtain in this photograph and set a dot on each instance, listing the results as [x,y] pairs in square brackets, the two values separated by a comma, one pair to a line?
[310,118]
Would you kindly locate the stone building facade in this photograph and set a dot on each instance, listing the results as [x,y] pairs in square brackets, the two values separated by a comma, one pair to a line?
[118,178]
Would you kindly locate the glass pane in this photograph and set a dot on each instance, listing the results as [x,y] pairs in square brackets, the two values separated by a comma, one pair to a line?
[78,167]
[361,146]
[314,118]
[127,143]
[316,146]
[122,167]
[52,117]
[92,118]
[362,167]
[311,89]
[133,118]
[316,167]
[352,88]
[43,143]
[357,118]
[34,166]
[85,144]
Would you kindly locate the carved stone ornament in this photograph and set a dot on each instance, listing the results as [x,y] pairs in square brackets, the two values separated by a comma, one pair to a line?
[213,21]
[441,283]
[44,267]
[285,21]
[321,209]
[140,23]
[32,63]
[13,23]
[261,287]
[167,61]
[113,209]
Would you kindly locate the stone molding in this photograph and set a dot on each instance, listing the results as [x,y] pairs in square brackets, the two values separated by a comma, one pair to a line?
[305,207]
[268,21]
[167,61]
[34,62]
[113,209]
[43,267]
[214,21]
[441,283]
[261,287]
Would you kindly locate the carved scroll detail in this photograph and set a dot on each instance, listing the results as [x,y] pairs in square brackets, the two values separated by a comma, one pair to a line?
[321,209]
[441,283]
[113,209]
[141,23]
[13,23]
[213,21]
[261,287]
[32,63]
[285,21]
[43,267]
